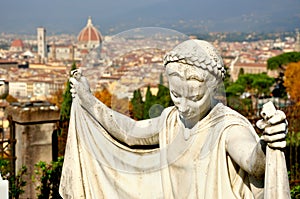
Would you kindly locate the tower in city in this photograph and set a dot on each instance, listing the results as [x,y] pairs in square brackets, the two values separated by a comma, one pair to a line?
[41,44]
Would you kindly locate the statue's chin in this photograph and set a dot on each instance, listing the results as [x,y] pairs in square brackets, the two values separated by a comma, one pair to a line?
[188,121]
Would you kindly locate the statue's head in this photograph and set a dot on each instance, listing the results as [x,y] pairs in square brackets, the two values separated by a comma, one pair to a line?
[195,71]
[201,57]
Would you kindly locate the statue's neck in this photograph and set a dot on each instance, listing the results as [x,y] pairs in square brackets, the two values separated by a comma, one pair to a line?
[192,122]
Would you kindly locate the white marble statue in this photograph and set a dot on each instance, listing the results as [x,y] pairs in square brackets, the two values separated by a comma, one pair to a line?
[206,150]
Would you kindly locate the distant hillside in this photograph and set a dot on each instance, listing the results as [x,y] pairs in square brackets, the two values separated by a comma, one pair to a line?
[230,16]
[189,16]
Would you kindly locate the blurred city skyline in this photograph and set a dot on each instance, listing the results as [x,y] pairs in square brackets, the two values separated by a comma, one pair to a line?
[189,16]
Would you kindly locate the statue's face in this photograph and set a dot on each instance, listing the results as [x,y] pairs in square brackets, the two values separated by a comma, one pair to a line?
[189,92]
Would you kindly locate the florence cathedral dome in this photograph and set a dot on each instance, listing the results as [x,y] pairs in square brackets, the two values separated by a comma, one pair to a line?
[89,37]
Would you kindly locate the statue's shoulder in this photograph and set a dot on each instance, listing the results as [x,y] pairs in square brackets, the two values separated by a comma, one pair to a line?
[229,111]
[230,115]
[240,120]
[168,111]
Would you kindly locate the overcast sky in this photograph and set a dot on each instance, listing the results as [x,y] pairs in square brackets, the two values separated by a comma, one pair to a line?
[70,16]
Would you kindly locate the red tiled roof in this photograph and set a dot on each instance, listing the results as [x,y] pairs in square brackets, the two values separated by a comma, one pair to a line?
[17,43]
[4,61]
[84,51]
[251,64]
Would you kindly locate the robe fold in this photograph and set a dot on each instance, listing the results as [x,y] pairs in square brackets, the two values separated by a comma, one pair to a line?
[189,163]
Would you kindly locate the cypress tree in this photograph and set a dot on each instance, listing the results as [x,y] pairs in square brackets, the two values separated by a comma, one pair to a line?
[65,117]
[137,105]
[149,101]
[67,100]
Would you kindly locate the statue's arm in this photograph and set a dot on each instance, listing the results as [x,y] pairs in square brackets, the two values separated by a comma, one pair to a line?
[244,149]
[123,128]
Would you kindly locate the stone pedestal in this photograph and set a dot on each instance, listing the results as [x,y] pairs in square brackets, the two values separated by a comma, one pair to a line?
[32,125]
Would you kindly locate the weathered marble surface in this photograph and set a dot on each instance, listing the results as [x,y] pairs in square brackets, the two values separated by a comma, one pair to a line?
[206,150]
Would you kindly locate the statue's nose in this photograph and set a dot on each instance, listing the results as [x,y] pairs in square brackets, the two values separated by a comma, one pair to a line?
[183,108]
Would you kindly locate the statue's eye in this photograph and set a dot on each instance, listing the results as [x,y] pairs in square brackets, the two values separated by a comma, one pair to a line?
[175,94]
[195,98]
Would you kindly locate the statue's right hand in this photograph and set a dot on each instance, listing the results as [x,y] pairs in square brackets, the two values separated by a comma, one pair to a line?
[78,83]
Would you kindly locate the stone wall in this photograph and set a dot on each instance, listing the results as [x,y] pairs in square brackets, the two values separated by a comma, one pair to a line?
[33,125]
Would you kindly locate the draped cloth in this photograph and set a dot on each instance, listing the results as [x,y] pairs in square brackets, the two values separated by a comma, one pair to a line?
[193,166]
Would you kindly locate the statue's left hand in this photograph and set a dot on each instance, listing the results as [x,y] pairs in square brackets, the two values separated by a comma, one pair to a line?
[79,83]
[274,129]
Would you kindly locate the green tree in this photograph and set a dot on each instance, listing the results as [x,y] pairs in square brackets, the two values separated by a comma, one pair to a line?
[280,89]
[16,182]
[161,79]
[241,72]
[64,117]
[137,105]
[262,84]
[160,101]
[163,96]
[49,177]
[235,89]
[295,192]
[149,101]
[153,103]
[67,99]
[227,80]
[256,84]
[279,61]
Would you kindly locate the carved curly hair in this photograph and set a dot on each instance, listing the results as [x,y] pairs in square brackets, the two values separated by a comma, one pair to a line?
[198,53]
